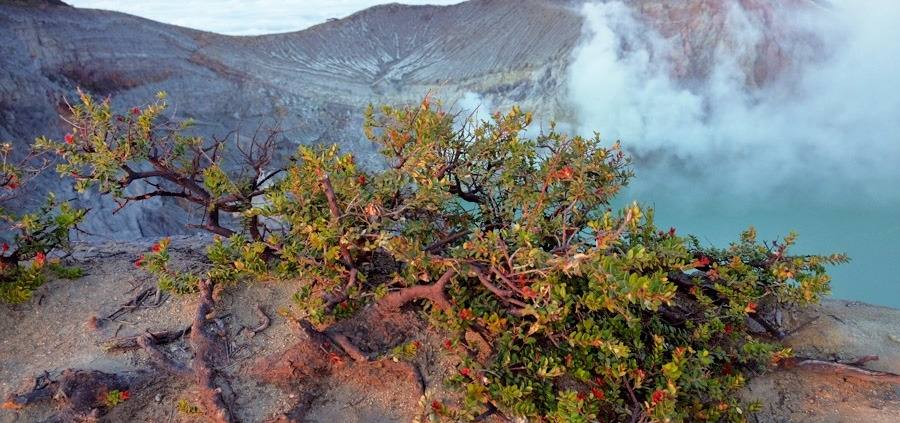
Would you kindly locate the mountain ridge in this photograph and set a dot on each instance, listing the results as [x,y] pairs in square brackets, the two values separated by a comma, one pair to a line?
[315,81]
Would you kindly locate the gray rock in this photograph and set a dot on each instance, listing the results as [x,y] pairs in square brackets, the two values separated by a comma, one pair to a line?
[315,82]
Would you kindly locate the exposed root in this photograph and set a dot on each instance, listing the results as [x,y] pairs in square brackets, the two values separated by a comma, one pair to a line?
[206,350]
[351,350]
[161,359]
[134,303]
[43,389]
[127,343]
[265,321]
[434,293]
[80,394]
[846,369]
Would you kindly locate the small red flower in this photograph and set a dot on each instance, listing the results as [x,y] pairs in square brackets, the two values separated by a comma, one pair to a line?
[598,394]
[361,179]
[658,396]
[139,262]
[417,344]
[5,247]
[751,308]
[581,396]
[565,173]
[156,248]
[135,111]
[125,395]
[40,258]
[703,261]
[729,329]
[437,406]
[672,231]
[69,138]
[448,344]
[639,374]
[465,371]
[528,292]
[465,314]
[521,280]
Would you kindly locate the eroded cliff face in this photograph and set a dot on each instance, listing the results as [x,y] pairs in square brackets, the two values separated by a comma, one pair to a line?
[315,82]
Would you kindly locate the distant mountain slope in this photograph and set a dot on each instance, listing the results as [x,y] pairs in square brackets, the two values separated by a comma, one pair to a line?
[315,81]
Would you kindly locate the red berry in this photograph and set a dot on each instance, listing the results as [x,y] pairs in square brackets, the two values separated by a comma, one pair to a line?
[448,344]
[465,372]
[69,138]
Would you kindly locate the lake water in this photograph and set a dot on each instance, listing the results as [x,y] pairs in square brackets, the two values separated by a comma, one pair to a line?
[868,233]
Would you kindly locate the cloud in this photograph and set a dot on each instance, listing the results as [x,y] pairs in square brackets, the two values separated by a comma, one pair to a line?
[242,17]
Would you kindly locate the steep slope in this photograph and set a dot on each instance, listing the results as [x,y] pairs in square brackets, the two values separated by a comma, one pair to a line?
[314,82]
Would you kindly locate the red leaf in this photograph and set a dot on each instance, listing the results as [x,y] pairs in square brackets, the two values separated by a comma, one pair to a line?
[658,396]
[465,314]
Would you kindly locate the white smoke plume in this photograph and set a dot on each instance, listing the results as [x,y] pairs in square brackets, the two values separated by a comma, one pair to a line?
[815,150]
[828,128]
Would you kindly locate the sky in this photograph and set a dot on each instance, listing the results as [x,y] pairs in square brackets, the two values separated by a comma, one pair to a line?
[242,17]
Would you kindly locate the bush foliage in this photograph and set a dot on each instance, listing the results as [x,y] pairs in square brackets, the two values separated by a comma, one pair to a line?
[28,239]
[588,313]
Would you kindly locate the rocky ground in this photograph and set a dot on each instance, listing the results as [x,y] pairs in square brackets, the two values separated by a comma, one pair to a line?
[286,373]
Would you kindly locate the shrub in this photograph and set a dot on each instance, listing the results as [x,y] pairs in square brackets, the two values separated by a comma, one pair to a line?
[29,239]
[145,149]
[587,313]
